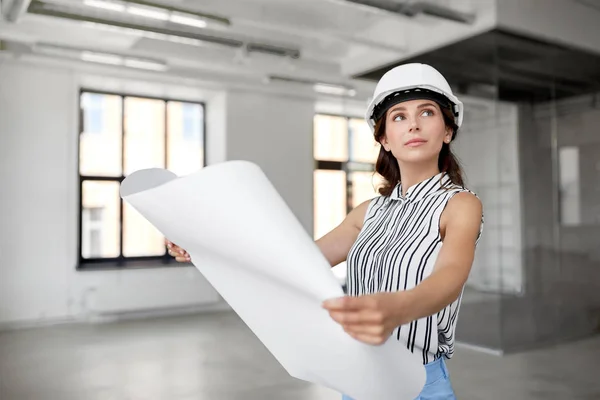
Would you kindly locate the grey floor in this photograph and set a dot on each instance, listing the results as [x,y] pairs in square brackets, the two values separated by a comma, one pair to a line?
[214,356]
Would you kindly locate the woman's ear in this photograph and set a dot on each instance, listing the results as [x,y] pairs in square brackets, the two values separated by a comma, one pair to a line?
[448,135]
[384,144]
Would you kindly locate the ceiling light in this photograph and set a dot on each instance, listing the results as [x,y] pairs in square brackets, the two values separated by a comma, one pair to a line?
[144,64]
[188,20]
[319,87]
[151,11]
[131,62]
[336,90]
[162,30]
[101,58]
[148,12]
[106,5]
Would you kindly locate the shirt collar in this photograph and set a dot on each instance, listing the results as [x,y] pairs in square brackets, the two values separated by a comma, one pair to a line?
[422,189]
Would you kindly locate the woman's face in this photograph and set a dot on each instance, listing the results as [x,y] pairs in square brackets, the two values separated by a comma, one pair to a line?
[415,131]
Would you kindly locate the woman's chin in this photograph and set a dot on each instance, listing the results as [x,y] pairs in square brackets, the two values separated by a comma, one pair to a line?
[417,156]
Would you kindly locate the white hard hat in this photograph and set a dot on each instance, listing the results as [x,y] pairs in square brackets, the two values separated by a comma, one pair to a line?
[412,81]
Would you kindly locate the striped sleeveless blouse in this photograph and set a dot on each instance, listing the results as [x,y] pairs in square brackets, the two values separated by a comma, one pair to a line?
[397,248]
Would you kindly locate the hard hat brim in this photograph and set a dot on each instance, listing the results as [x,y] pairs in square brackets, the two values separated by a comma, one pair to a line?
[458,105]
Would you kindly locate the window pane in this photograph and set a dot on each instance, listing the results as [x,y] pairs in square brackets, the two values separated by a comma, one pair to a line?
[100,141]
[568,164]
[100,219]
[140,238]
[330,138]
[144,134]
[364,186]
[363,146]
[185,136]
[329,200]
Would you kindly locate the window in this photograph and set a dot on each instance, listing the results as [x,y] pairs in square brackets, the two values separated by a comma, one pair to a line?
[192,119]
[91,240]
[121,134]
[570,205]
[345,153]
[93,112]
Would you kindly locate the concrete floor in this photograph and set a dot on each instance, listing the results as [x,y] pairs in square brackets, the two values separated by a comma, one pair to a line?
[215,357]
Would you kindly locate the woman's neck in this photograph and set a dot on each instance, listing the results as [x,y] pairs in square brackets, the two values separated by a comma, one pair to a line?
[412,174]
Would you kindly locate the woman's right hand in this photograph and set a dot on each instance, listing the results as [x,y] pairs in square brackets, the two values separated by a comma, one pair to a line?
[180,254]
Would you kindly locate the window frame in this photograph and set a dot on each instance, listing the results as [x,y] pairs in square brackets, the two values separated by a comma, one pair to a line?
[348,167]
[121,261]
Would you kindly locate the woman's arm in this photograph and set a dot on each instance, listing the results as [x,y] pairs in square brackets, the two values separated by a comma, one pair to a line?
[336,244]
[461,221]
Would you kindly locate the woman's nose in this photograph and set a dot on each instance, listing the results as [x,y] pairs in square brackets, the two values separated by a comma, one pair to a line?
[414,125]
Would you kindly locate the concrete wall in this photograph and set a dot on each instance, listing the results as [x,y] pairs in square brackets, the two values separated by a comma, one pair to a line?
[567,22]
[562,269]
[487,147]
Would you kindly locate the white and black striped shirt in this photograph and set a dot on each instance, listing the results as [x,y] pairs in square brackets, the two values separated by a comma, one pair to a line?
[397,248]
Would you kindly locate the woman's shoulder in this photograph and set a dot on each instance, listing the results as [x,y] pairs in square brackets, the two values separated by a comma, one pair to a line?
[465,198]
[460,191]
[465,207]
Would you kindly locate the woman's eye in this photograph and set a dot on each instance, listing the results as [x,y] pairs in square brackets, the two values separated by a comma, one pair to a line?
[427,113]
[398,117]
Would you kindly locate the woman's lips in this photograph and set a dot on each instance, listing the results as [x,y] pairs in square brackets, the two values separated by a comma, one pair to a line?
[415,142]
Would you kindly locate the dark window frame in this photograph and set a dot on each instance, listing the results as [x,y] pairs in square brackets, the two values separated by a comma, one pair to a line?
[121,261]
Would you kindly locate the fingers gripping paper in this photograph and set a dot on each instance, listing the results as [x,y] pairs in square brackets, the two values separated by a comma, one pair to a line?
[246,242]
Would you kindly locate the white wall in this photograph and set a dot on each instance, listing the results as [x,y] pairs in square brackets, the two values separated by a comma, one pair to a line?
[38,206]
[276,133]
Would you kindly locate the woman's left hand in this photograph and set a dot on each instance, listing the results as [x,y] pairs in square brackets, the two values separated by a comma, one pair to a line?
[370,318]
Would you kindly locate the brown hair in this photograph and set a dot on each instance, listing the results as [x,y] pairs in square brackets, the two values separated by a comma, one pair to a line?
[387,165]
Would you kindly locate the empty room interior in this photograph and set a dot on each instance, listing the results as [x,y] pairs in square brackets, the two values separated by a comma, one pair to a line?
[249,135]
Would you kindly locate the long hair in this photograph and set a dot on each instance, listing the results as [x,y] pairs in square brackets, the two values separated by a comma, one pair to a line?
[387,165]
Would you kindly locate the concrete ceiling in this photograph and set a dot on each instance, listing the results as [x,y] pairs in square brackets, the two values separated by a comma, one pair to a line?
[503,65]
[328,41]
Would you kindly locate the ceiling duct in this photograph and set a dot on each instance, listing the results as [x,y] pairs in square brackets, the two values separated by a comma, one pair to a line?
[165,28]
[414,8]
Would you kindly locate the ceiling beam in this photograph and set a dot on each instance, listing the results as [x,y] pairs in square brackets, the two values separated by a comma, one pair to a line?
[414,8]
[13,10]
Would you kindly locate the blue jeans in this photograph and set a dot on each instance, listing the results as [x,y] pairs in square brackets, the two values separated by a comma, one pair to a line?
[437,383]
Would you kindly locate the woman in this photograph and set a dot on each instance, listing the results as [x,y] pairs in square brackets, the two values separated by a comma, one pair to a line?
[409,251]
